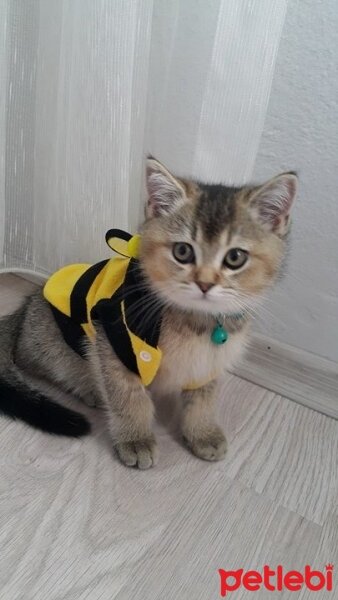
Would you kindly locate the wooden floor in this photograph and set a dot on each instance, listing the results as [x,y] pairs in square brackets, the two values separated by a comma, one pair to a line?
[75,524]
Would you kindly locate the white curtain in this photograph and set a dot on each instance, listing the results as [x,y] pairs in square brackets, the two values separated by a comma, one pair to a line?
[89,87]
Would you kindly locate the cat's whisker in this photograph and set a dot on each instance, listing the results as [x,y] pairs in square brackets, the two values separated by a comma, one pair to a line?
[139,308]
[261,312]
[143,311]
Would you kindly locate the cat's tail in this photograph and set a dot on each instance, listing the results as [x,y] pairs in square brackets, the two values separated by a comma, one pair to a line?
[38,411]
[19,400]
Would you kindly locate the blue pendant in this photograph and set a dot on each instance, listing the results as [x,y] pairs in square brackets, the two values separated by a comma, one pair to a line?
[219,335]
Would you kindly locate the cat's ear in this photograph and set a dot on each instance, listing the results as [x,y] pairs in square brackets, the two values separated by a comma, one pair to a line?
[272,202]
[165,192]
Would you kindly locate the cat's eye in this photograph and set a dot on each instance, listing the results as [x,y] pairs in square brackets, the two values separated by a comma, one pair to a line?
[183,252]
[235,258]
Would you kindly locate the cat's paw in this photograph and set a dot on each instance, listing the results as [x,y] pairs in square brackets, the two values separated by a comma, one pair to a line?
[142,453]
[211,446]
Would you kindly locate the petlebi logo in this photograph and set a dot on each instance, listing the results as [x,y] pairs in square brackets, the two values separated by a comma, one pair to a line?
[277,579]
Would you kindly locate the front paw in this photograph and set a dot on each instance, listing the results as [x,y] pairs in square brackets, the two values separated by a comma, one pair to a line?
[141,453]
[209,446]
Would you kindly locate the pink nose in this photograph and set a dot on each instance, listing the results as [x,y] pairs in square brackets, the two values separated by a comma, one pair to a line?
[204,286]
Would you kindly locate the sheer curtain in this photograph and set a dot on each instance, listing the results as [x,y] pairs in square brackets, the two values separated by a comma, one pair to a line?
[88,87]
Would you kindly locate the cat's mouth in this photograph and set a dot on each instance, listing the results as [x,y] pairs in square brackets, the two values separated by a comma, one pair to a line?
[215,301]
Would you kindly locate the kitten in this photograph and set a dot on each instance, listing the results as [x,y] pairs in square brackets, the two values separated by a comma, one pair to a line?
[207,252]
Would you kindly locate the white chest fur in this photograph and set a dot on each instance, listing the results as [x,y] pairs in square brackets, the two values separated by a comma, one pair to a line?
[194,359]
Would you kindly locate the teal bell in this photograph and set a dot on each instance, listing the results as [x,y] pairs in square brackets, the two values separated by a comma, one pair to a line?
[219,335]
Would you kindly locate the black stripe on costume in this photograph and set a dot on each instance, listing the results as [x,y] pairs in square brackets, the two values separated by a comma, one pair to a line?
[72,332]
[78,305]
[118,233]
[143,317]
[143,309]
[108,313]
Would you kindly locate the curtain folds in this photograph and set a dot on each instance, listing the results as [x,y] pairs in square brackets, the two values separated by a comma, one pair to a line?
[90,86]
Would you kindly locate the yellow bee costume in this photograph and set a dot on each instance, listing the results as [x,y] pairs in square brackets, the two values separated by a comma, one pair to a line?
[107,292]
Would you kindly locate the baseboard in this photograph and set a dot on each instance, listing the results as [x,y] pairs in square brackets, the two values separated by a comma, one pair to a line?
[33,278]
[296,374]
[27,274]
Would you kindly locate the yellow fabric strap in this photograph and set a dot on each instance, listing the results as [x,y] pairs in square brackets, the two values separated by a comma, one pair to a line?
[148,359]
[127,248]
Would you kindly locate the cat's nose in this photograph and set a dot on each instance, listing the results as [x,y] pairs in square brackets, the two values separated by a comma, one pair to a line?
[204,286]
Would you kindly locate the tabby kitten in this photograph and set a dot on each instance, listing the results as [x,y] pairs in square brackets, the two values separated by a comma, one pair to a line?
[207,252]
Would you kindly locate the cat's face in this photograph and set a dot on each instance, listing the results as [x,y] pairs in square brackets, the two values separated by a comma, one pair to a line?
[212,248]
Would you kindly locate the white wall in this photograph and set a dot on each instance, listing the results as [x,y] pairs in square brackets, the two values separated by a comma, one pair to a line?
[301,133]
